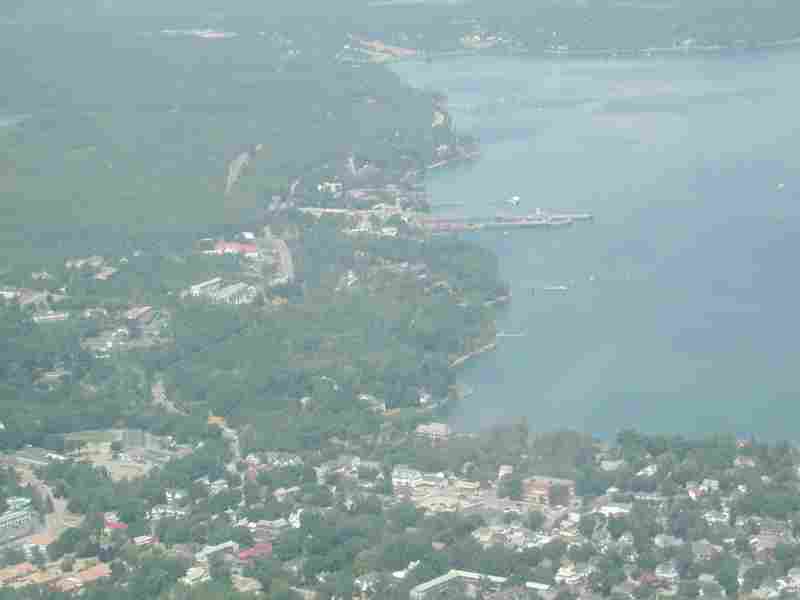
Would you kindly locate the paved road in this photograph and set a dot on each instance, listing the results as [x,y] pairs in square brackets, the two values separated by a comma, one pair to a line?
[55,520]
[285,258]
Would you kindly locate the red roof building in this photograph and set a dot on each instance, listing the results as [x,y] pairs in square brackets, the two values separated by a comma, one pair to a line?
[116,525]
[223,247]
[257,551]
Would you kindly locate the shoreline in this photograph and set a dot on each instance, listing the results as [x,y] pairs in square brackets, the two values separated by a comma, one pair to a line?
[477,352]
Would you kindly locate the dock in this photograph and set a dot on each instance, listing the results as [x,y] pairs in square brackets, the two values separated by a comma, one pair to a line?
[541,220]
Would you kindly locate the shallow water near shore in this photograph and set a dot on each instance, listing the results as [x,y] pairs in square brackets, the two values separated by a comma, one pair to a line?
[680,314]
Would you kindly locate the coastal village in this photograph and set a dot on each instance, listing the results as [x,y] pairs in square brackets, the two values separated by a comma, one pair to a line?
[386,501]
[649,532]
[641,524]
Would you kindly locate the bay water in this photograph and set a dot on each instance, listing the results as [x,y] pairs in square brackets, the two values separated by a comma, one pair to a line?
[681,313]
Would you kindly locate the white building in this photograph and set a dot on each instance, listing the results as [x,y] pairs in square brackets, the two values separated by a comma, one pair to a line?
[405,477]
[504,471]
[206,553]
[218,486]
[667,572]
[51,317]
[167,511]
[195,575]
[648,471]
[205,287]
[237,293]
[433,431]
[14,520]
[614,509]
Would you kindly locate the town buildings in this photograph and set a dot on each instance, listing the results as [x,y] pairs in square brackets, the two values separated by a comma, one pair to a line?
[537,490]
[18,520]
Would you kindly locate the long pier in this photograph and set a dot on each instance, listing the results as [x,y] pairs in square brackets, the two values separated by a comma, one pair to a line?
[539,220]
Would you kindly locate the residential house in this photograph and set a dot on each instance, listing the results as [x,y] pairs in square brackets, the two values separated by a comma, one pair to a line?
[113,525]
[246,250]
[14,523]
[404,478]
[536,490]
[167,511]
[793,578]
[666,541]
[229,547]
[465,487]
[143,314]
[218,486]
[51,317]
[75,582]
[105,273]
[744,461]
[282,494]
[236,293]
[648,471]
[611,465]
[649,497]
[704,550]
[504,471]
[269,531]
[144,540]
[438,504]
[281,460]
[16,572]
[195,575]
[764,544]
[454,579]
[260,550]
[365,586]
[666,571]
[694,490]
[570,574]
[245,585]
[204,288]
[433,431]
[716,517]
[176,496]
[614,509]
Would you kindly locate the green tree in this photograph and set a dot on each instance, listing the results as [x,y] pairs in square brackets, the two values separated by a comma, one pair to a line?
[728,575]
[587,525]
[689,588]
[13,556]
[510,487]
[218,570]
[67,565]
[535,520]
[617,526]
[38,557]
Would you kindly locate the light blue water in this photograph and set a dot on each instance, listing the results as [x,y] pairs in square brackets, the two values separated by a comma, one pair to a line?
[682,312]
[11,120]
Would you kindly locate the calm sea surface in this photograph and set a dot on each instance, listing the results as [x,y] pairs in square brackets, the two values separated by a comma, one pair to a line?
[684,295]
